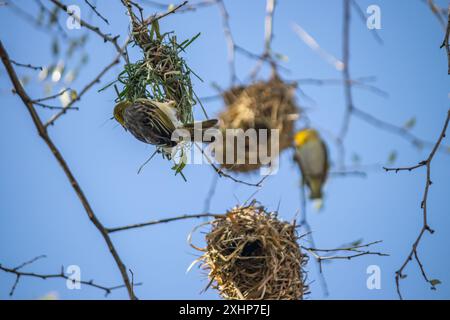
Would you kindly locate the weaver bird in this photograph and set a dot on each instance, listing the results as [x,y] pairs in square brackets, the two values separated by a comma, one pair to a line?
[154,122]
[312,156]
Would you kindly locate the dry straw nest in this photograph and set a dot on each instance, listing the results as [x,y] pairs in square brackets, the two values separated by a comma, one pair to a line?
[261,105]
[252,255]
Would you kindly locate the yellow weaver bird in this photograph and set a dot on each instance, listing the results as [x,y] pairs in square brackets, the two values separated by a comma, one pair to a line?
[154,122]
[312,156]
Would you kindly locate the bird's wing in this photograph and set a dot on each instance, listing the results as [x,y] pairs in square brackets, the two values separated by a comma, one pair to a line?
[312,158]
[148,124]
[326,163]
[168,108]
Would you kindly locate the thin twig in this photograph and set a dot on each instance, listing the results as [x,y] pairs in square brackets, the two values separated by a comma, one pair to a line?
[160,221]
[52,96]
[311,42]
[222,173]
[162,15]
[26,263]
[445,43]
[42,131]
[437,12]
[96,80]
[267,55]
[231,46]
[363,17]
[268,31]
[346,253]
[425,226]
[47,106]
[389,127]
[26,65]
[61,275]
[104,36]
[32,18]
[361,83]
[346,71]
[187,8]
[94,8]
[309,234]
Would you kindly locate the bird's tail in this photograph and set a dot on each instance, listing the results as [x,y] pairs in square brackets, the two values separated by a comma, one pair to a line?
[197,129]
[315,186]
[316,195]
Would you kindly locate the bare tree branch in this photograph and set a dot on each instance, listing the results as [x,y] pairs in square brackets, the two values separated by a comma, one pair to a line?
[52,96]
[160,221]
[231,46]
[346,71]
[162,15]
[267,55]
[445,43]
[96,80]
[94,8]
[31,18]
[104,36]
[363,17]
[436,11]
[303,223]
[425,226]
[345,253]
[29,66]
[186,8]
[42,131]
[359,82]
[222,173]
[60,275]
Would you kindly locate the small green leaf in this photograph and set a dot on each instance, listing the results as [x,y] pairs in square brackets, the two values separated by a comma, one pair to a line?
[435,282]
[73,95]
[281,57]
[55,47]
[392,157]
[356,158]
[410,123]
[356,243]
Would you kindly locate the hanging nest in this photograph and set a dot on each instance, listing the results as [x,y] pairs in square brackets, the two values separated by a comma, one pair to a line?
[162,74]
[262,105]
[252,255]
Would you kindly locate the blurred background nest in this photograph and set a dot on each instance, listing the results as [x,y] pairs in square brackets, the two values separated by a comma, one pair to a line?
[262,105]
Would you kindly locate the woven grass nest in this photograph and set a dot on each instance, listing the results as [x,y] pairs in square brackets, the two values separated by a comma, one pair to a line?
[252,255]
[262,105]
[162,74]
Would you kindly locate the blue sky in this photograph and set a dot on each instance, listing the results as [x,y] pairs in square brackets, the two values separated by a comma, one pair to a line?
[40,213]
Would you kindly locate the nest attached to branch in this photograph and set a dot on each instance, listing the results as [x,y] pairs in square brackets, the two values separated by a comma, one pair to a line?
[162,74]
[252,255]
[262,105]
